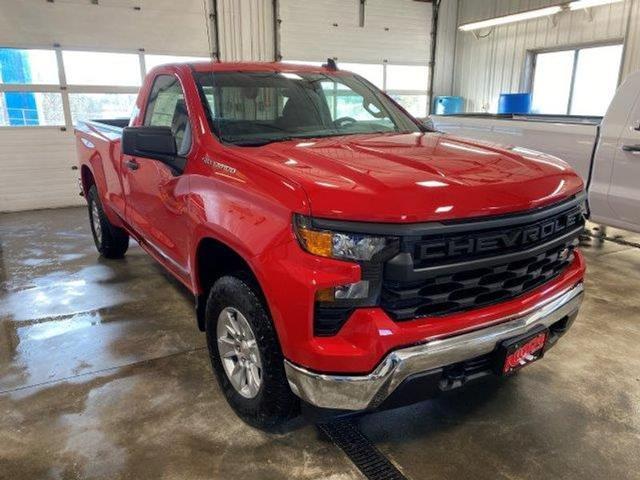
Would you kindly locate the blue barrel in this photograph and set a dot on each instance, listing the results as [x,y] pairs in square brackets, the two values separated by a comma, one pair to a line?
[446,105]
[514,103]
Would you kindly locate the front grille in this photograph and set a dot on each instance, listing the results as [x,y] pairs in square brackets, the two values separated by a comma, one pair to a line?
[474,288]
[462,277]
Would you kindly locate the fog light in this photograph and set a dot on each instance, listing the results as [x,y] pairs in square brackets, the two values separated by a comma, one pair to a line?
[350,291]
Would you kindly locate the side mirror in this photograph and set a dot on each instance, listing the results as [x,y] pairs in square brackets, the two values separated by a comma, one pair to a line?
[157,143]
[427,123]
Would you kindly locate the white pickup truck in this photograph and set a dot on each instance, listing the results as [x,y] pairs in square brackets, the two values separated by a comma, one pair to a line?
[605,151]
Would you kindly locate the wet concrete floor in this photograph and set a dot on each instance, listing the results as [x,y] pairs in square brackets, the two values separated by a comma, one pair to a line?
[103,374]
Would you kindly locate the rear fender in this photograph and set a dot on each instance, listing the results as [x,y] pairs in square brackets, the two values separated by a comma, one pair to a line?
[91,159]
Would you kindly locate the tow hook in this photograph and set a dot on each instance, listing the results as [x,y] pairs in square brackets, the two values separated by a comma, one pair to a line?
[452,379]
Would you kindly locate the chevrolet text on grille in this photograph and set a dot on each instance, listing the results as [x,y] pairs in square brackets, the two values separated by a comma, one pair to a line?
[514,237]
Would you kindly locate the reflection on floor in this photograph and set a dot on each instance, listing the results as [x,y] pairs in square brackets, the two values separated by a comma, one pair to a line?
[103,374]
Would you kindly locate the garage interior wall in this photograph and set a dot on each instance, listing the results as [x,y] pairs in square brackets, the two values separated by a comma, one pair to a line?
[445,47]
[486,67]
[36,161]
[246,30]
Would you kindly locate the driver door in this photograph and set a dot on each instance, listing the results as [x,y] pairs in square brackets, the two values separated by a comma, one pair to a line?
[624,194]
[156,196]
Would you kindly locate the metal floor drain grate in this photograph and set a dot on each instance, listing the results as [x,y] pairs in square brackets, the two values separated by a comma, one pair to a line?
[373,464]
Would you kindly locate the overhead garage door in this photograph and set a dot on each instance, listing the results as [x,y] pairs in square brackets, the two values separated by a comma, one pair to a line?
[386,41]
[65,61]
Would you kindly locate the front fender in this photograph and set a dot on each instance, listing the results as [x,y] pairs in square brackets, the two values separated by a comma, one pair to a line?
[248,217]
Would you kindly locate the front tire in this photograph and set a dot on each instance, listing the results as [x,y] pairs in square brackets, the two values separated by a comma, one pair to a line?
[245,354]
[111,241]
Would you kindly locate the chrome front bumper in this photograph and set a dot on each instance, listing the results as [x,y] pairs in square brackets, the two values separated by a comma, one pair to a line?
[360,392]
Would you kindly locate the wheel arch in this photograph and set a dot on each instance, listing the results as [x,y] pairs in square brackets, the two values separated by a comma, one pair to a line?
[213,259]
[87,179]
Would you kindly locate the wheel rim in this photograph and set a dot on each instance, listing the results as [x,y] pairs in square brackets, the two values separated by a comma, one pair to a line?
[95,221]
[239,352]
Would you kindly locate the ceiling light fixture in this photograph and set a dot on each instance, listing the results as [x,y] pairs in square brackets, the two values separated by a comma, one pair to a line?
[533,14]
[578,4]
[516,17]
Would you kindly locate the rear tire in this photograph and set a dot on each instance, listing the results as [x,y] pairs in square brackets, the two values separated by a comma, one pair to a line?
[111,241]
[267,402]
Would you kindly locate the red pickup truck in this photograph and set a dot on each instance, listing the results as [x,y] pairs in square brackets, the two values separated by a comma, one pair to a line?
[338,250]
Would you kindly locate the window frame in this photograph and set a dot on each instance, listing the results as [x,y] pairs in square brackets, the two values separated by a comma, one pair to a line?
[65,89]
[532,57]
[145,111]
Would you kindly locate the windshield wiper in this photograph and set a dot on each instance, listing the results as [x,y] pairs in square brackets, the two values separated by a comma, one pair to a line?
[260,141]
[346,134]
[255,142]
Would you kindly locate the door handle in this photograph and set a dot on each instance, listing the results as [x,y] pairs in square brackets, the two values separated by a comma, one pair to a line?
[631,148]
[132,164]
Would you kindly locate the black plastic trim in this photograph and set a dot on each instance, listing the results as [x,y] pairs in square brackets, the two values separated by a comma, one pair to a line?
[447,227]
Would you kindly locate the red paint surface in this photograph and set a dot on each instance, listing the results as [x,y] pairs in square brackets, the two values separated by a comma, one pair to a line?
[399,178]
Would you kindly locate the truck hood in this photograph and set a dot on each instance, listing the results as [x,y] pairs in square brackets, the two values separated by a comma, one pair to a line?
[418,177]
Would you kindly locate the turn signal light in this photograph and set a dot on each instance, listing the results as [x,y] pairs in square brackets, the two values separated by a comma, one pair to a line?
[317,242]
[325,295]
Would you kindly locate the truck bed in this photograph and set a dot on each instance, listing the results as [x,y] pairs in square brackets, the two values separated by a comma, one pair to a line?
[103,125]
[570,138]
[532,117]
[100,140]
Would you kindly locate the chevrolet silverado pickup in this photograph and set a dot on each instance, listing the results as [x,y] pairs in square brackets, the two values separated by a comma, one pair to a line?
[339,252]
[604,151]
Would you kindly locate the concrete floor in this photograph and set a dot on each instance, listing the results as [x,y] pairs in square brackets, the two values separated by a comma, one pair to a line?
[103,374]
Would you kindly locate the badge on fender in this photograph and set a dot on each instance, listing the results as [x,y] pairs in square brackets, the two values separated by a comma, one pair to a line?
[220,166]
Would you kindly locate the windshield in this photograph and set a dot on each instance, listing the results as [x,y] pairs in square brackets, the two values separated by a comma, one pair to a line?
[256,108]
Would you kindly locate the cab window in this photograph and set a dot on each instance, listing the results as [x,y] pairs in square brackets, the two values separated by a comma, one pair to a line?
[166,107]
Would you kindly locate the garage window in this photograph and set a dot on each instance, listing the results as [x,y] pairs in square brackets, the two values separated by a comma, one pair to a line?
[372,72]
[29,95]
[415,104]
[100,105]
[59,87]
[579,81]
[28,66]
[101,68]
[29,108]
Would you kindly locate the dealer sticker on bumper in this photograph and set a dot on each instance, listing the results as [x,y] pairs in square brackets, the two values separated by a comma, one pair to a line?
[519,352]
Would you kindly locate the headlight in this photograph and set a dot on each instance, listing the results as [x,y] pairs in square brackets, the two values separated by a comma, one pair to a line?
[340,245]
[335,303]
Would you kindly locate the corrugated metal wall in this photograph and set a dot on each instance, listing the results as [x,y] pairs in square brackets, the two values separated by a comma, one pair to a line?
[631,61]
[445,47]
[394,30]
[246,30]
[486,67]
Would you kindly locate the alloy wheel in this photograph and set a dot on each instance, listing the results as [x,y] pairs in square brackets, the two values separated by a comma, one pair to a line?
[239,352]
